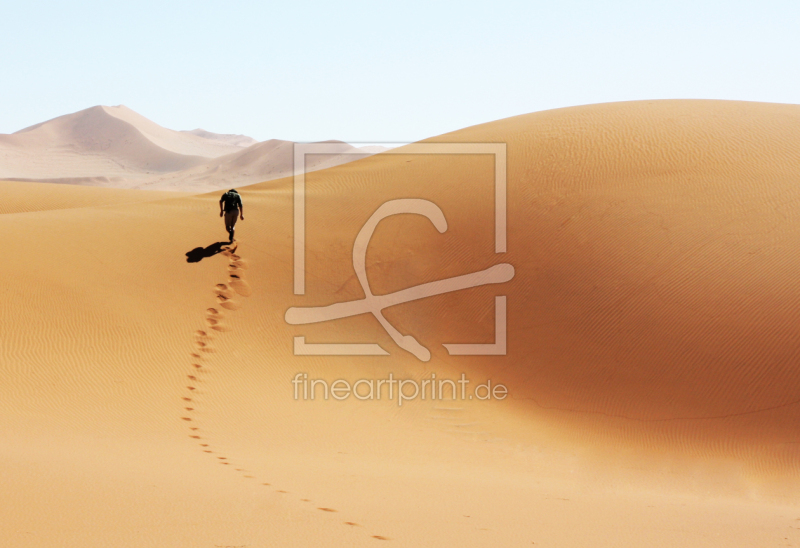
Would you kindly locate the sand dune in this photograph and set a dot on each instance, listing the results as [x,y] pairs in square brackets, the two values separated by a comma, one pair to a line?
[653,326]
[91,128]
[102,141]
[264,161]
[116,147]
[242,141]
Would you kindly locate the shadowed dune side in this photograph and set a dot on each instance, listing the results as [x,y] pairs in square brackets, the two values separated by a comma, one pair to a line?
[651,365]
[656,247]
[657,250]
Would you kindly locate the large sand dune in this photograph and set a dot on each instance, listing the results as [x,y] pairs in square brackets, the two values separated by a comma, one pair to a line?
[653,333]
[116,147]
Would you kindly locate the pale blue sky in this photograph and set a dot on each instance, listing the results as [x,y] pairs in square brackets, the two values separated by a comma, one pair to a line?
[383,71]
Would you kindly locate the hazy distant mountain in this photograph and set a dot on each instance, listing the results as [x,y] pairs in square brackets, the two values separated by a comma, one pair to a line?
[263,161]
[235,140]
[115,146]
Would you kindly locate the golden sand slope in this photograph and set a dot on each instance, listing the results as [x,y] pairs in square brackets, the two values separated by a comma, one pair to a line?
[24,197]
[652,339]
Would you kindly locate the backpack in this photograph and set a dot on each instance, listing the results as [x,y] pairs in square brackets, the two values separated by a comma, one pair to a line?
[231,201]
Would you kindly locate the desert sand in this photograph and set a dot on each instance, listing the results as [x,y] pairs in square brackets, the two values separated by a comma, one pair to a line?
[653,337]
[119,148]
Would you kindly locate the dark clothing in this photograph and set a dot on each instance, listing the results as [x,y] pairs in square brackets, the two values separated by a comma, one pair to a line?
[231,201]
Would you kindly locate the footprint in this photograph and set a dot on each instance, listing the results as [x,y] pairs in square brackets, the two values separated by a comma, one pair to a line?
[226,292]
[240,286]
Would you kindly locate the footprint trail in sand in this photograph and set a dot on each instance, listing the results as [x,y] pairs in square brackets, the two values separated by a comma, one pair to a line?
[226,298]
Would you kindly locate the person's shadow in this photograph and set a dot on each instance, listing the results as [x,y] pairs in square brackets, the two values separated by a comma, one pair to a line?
[199,253]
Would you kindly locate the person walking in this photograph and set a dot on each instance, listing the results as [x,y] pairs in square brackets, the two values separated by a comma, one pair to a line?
[231,207]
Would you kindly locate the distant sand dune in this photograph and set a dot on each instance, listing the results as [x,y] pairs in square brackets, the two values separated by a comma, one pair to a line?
[116,147]
[242,141]
[268,160]
[653,340]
